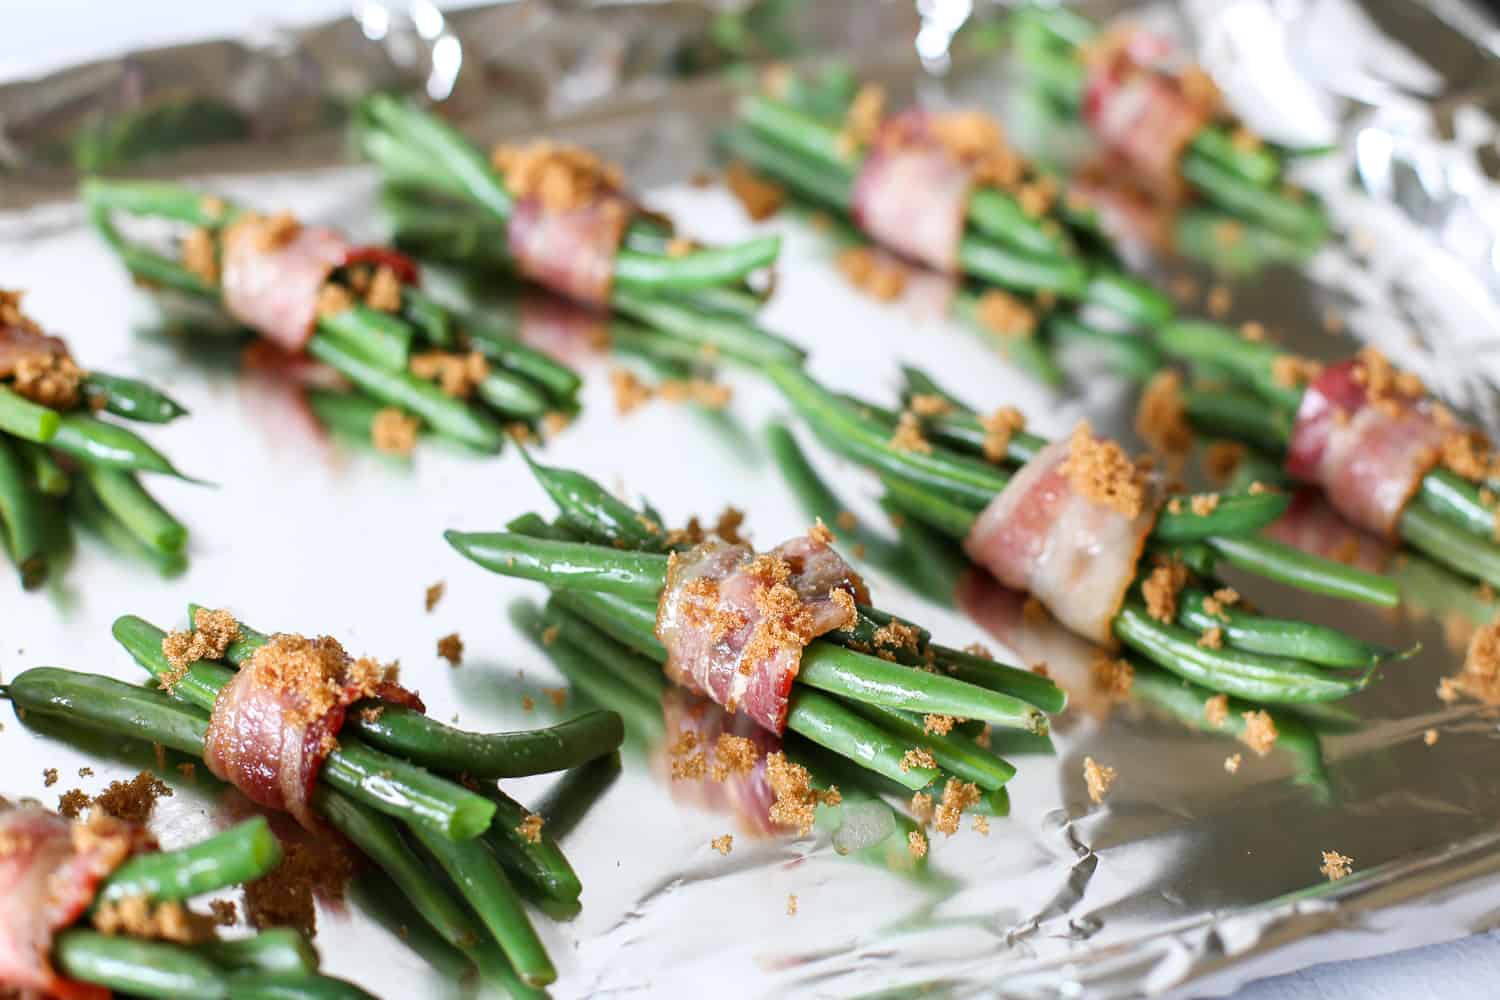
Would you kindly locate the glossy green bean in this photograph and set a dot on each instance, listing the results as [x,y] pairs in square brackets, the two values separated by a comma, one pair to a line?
[111,706]
[1241,415]
[1284,564]
[350,413]
[594,511]
[567,565]
[952,751]
[51,478]
[136,966]
[242,853]
[274,950]
[653,274]
[108,445]
[513,396]
[1450,544]
[24,517]
[130,398]
[831,725]
[1252,362]
[984,672]
[538,863]
[1277,637]
[157,199]
[26,420]
[125,498]
[1456,499]
[1232,514]
[713,335]
[381,338]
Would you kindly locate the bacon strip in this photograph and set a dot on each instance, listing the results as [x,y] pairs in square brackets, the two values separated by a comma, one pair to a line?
[1313,526]
[911,194]
[259,741]
[274,290]
[50,870]
[735,624]
[1369,456]
[1142,116]
[572,251]
[1076,556]
[18,343]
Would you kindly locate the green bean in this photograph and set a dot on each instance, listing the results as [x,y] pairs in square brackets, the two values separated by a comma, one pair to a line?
[1255,164]
[130,398]
[137,966]
[829,724]
[85,508]
[51,479]
[1129,298]
[1253,676]
[1284,564]
[450,417]
[568,565]
[350,413]
[1277,637]
[953,752]
[1253,362]
[242,853]
[807,178]
[627,622]
[987,673]
[381,338]
[1232,514]
[818,500]
[108,445]
[1240,415]
[953,520]
[538,863]
[444,151]
[513,395]
[125,498]
[642,676]
[601,683]
[480,879]
[507,352]
[429,316]
[21,508]
[653,274]
[1451,496]
[1129,355]
[110,705]
[1450,544]
[734,338]
[283,986]
[155,198]
[1022,272]
[594,511]
[274,950]
[1268,206]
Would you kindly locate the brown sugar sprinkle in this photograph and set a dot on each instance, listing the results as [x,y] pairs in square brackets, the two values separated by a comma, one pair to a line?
[921,807]
[1161,589]
[1291,371]
[863,118]
[1112,676]
[316,672]
[1430,737]
[265,232]
[132,801]
[1336,866]
[433,594]
[384,293]
[977,140]
[702,392]
[530,828]
[957,796]
[394,432]
[680,246]
[138,917]
[550,634]
[562,177]
[39,367]
[791,905]
[1260,732]
[372,713]
[1232,763]
[72,803]
[1220,301]
[916,844]
[917,757]
[982,825]
[1003,313]
[1216,710]
[1253,331]
[939,725]
[1222,458]
[877,274]
[311,868]
[212,632]
[188,770]
[926,404]
[733,755]
[1204,504]
[908,436]
[455,374]
[558,697]
[759,197]
[819,533]
[1229,233]
[1383,381]
[796,799]
[1333,321]
[223,912]
[333,299]
[1184,289]
[451,648]
[630,392]
[846,520]
[1467,453]
[1480,676]
[49,777]
[1161,417]
[1447,690]
[1033,612]
[200,254]
[1099,470]
[1212,639]
[690,768]
[554,422]
[723,844]
[999,428]
[1098,779]
[897,634]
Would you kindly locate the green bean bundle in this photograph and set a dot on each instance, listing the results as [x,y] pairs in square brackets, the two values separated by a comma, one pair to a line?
[948,471]
[414,364]
[609,565]
[1389,459]
[1169,129]
[60,461]
[447,201]
[389,782]
[93,907]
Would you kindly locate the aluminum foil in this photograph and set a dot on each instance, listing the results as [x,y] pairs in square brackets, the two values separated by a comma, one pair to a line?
[1187,880]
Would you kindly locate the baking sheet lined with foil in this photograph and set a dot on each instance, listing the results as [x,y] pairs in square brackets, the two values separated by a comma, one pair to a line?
[1188,879]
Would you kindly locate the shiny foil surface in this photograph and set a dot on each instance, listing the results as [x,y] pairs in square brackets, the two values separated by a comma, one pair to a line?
[1186,881]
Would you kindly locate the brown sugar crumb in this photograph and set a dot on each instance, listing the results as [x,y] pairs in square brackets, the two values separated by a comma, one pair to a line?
[530,828]
[49,777]
[957,796]
[1260,732]
[316,673]
[629,391]
[558,697]
[85,772]
[456,374]
[938,725]
[132,801]
[1430,737]
[877,274]
[1098,779]
[433,594]
[1480,676]
[796,799]
[1232,763]
[394,432]
[139,917]
[554,422]
[1212,639]
[223,912]
[976,140]
[1204,504]
[1222,458]
[1220,301]
[1161,589]
[200,255]
[702,392]
[921,807]
[690,768]
[1383,381]
[1226,597]
[72,803]
[1099,470]
[188,770]
[1111,676]
[563,177]
[451,648]
[1336,866]
[372,713]
[1291,371]
[1253,331]
[1003,313]
[908,436]
[897,634]
[1033,612]
[926,404]
[917,757]
[1184,289]
[1467,454]
[759,197]
[1216,710]
[862,120]
[723,844]
[791,905]
[1161,417]
[999,428]
[211,635]
[333,299]
[916,844]
[733,755]
[1447,690]
[680,246]
[384,293]
[311,868]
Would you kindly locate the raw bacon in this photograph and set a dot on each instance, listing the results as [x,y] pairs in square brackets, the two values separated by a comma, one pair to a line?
[912,194]
[274,289]
[1141,114]
[571,252]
